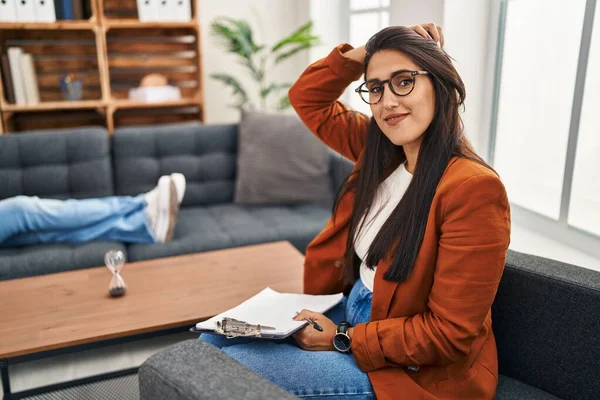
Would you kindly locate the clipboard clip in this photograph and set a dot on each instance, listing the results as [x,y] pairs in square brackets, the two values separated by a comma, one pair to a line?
[232,328]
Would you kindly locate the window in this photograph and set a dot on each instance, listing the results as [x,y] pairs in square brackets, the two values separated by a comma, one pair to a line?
[545,122]
[535,100]
[367,17]
[584,207]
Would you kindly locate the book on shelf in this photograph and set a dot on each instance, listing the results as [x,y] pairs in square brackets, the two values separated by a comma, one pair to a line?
[21,79]
[77,9]
[9,92]
[32,93]
[87,8]
[181,10]
[69,10]
[25,11]
[8,11]
[164,10]
[14,61]
[147,10]
[44,11]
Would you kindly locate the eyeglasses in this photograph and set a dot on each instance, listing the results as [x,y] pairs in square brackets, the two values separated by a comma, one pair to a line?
[401,83]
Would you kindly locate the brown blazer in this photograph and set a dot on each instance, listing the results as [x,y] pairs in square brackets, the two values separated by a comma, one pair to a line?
[429,337]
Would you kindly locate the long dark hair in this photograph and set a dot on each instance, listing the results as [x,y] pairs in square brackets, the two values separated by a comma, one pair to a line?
[443,139]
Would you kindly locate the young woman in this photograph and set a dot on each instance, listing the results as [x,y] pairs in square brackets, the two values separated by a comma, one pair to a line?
[418,236]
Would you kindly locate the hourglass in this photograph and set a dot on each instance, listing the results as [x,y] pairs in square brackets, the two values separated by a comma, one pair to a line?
[115,260]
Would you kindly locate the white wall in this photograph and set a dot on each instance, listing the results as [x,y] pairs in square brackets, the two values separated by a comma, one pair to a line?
[330,24]
[411,12]
[467,37]
[271,20]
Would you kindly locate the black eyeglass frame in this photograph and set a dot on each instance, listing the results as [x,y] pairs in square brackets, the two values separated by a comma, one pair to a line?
[389,82]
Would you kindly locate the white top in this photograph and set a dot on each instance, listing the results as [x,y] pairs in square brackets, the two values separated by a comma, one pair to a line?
[388,195]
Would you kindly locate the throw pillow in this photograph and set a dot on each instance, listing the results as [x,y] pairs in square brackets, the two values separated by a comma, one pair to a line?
[280,162]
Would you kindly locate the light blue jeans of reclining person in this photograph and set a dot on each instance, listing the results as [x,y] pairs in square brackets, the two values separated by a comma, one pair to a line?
[30,220]
[145,218]
[325,375]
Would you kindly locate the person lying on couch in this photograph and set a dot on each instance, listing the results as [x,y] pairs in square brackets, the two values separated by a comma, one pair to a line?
[145,218]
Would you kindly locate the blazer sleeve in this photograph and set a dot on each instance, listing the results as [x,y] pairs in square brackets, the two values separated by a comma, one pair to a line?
[475,235]
[314,97]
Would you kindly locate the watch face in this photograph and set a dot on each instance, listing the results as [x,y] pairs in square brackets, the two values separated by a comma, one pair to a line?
[341,342]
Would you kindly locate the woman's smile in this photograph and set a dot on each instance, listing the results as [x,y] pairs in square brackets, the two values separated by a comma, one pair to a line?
[394,119]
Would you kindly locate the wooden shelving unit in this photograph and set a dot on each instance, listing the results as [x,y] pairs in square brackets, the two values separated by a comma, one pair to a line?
[111,52]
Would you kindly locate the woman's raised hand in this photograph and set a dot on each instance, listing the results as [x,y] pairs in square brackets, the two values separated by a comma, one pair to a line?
[430,31]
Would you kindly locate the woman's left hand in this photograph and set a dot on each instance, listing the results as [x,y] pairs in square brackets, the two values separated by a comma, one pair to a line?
[308,338]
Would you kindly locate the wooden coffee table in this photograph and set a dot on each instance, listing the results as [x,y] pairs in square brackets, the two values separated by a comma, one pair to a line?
[70,311]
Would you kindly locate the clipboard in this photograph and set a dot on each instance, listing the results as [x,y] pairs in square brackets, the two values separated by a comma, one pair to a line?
[267,315]
[233,328]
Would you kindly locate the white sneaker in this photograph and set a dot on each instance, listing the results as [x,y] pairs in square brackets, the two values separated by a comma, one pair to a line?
[152,205]
[179,181]
[162,209]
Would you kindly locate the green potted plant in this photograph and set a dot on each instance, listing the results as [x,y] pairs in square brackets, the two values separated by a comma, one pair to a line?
[237,37]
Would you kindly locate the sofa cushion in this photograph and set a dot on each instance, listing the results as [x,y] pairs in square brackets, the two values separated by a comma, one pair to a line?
[546,322]
[61,163]
[205,154]
[197,370]
[230,225]
[47,259]
[339,169]
[280,162]
[512,389]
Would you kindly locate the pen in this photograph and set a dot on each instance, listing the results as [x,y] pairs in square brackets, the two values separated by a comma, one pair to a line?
[313,323]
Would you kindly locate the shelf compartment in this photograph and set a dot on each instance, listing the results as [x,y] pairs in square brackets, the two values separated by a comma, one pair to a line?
[54,120]
[132,54]
[56,54]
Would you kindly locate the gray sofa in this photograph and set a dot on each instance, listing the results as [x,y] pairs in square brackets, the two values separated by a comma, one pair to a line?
[87,162]
[546,318]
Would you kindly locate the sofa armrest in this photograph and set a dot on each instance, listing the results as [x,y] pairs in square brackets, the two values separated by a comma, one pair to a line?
[339,169]
[197,370]
[546,325]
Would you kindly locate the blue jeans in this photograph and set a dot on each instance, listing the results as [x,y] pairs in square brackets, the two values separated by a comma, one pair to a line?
[31,220]
[308,374]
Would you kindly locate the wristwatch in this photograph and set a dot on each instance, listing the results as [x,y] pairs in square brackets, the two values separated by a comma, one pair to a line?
[341,340]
